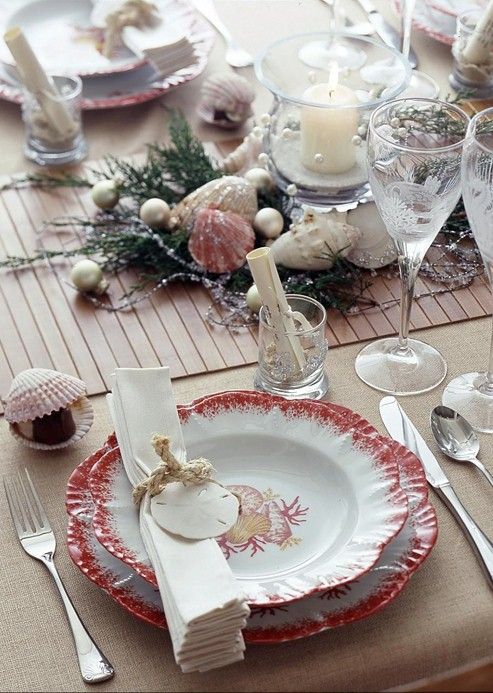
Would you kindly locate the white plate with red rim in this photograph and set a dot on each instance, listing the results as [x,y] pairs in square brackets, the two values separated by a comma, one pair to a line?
[438,18]
[319,489]
[332,608]
[62,31]
[124,87]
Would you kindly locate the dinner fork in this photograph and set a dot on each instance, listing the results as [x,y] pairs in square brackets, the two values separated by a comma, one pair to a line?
[37,539]
[235,56]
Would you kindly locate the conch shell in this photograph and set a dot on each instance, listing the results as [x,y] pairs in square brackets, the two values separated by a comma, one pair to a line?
[375,248]
[228,194]
[245,156]
[226,100]
[313,242]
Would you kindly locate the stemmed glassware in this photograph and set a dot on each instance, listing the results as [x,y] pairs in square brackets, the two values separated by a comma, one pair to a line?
[471,394]
[414,157]
[334,50]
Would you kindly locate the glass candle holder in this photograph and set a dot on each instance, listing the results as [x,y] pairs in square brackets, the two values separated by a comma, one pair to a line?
[53,124]
[281,374]
[315,135]
[466,75]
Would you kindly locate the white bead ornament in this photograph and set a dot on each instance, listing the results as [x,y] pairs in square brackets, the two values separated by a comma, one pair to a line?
[263,159]
[253,300]
[259,178]
[105,194]
[286,133]
[291,189]
[265,119]
[155,213]
[356,141]
[268,222]
[87,275]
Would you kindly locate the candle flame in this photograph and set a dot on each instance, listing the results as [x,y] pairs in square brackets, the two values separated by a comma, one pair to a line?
[333,76]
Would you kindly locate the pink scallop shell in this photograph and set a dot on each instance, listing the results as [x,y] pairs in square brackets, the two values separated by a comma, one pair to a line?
[40,391]
[220,240]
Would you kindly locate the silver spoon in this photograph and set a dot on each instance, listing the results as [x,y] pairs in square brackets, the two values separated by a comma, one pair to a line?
[456,438]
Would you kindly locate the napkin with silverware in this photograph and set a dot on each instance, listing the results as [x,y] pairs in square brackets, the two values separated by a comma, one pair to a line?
[204,605]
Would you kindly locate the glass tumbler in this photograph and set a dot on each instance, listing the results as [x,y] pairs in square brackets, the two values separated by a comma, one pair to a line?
[465,75]
[53,123]
[281,374]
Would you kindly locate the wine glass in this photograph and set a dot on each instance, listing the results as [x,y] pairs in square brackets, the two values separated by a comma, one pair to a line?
[333,50]
[420,84]
[414,155]
[471,394]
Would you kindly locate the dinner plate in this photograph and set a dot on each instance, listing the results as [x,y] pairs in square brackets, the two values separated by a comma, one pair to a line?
[133,86]
[56,28]
[319,490]
[332,608]
[437,19]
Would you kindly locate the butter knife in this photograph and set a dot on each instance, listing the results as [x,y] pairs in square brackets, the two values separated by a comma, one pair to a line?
[385,30]
[401,429]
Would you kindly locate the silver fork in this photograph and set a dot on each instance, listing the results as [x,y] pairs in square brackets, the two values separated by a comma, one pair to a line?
[38,540]
[235,56]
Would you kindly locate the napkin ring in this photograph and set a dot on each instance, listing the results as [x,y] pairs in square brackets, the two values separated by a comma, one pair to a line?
[170,469]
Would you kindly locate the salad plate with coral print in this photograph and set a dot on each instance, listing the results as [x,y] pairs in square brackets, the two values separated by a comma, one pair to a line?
[332,607]
[320,495]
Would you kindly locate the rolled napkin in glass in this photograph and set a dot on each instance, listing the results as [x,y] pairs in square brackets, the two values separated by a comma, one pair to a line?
[205,607]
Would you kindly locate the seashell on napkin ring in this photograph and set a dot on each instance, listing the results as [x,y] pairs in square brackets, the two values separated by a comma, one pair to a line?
[197,508]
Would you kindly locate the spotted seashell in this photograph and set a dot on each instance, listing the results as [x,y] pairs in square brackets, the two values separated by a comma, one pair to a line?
[228,194]
[313,242]
[226,100]
[38,392]
[220,240]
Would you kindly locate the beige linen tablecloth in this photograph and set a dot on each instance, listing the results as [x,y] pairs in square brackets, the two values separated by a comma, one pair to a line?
[443,619]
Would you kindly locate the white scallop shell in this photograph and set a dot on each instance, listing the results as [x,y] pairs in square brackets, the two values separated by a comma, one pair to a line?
[83,416]
[229,194]
[225,100]
[312,243]
[375,248]
[40,391]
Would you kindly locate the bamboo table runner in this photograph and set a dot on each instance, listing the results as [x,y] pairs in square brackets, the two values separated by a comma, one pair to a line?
[45,323]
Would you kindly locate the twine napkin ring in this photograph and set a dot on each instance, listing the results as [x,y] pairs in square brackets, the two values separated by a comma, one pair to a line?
[170,469]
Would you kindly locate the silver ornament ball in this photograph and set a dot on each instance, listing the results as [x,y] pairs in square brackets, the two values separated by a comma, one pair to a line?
[155,213]
[105,194]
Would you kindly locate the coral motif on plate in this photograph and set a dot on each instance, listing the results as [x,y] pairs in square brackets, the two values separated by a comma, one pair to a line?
[265,518]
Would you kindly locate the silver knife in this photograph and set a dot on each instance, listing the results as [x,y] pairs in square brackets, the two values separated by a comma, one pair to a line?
[386,31]
[401,429]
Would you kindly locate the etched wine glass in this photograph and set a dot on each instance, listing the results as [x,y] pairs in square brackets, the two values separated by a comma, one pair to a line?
[334,49]
[414,156]
[471,394]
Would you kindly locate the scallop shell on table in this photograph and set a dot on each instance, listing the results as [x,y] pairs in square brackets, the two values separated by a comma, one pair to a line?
[220,240]
[314,241]
[226,100]
[228,194]
[37,392]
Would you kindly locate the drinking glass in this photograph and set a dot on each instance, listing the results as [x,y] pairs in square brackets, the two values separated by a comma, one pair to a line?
[278,373]
[471,394]
[414,155]
[333,50]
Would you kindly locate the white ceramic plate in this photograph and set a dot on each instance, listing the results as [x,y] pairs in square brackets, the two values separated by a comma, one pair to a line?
[334,607]
[319,493]
[62,32]
[438,18]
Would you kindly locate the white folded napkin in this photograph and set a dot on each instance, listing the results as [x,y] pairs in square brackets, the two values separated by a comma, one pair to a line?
[204,606]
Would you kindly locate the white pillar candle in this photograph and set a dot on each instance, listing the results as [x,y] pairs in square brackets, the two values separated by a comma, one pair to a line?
[272,296]
[39,83]
[327,133]
[478,48]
